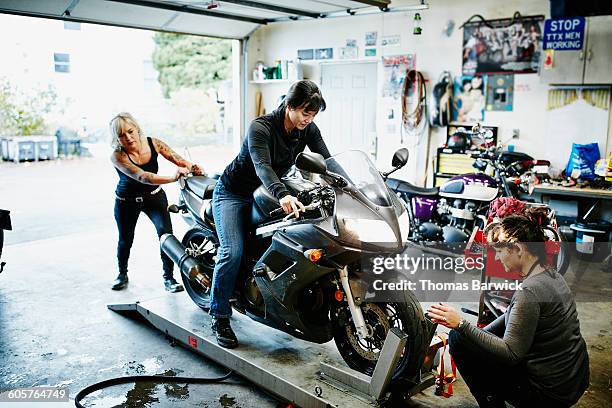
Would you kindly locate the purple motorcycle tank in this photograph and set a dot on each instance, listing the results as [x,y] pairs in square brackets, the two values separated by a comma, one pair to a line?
[424,207]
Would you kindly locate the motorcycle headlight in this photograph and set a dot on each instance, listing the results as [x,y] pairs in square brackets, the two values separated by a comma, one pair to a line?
[370,230]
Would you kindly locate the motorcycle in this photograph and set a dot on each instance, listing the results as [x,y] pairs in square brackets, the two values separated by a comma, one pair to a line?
[5,224]
[448,215]
[303,275]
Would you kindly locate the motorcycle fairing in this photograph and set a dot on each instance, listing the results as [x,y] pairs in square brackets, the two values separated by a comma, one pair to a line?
[282,273]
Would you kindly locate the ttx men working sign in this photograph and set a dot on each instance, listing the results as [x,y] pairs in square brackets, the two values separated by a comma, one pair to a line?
[564,34]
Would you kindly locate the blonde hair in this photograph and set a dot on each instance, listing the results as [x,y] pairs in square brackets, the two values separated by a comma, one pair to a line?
[116,127]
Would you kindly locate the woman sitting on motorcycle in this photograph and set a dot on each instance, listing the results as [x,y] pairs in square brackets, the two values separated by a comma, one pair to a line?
[533,355]
[272,143]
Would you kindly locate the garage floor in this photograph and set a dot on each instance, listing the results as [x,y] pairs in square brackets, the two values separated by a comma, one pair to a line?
[56,330]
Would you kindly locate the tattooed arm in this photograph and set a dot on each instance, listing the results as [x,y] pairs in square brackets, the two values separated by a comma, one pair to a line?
[121,161]
[165,150]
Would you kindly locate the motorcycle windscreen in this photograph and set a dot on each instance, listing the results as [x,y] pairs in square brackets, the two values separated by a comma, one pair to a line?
[358,169]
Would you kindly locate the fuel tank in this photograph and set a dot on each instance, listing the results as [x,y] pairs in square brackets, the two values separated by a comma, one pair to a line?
[477,187]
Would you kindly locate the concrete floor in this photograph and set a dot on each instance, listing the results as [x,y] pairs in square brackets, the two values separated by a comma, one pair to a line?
[55,328]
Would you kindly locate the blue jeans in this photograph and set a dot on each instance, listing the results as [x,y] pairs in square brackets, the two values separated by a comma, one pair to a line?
[231,212]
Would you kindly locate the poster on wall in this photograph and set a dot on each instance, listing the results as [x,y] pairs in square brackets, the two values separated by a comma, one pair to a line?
[500,92]
[394,70]
[324,53]
[510,45]
[307,54]
[370,38]
[469,98]
[391,40]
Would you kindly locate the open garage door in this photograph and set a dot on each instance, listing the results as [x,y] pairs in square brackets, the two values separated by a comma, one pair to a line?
[234,19]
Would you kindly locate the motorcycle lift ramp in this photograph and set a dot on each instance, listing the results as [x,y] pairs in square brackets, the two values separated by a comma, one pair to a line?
[289,368]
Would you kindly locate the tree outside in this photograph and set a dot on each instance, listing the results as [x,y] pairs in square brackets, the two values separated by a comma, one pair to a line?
[191,71]
[24,113]
[188,61]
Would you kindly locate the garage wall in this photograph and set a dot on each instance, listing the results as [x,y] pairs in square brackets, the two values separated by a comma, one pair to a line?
[434,53]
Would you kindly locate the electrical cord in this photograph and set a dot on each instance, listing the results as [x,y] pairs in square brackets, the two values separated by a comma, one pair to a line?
[414,121]
[159,379]
[413,81]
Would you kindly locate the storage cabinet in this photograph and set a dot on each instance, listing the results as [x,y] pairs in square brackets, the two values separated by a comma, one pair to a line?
[598,57]
[591,65]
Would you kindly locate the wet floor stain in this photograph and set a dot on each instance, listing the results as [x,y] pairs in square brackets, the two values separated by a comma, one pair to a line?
[285,355]
[146,393]
[142,395]
[107,402]
[227,402]
[175,391]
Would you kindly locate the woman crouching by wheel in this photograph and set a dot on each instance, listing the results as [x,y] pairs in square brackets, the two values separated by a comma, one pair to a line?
[533,355]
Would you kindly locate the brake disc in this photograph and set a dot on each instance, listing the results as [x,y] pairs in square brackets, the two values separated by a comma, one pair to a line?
[376,319]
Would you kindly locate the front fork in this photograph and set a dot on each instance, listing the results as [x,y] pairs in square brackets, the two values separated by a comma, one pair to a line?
[356,314]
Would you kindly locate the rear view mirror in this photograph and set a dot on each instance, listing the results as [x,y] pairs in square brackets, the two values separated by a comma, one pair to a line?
[311,162]
[400,158]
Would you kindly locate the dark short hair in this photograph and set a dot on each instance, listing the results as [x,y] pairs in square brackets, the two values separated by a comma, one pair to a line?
[307,95]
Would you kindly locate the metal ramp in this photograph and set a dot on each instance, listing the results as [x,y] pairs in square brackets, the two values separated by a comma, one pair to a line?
[306,374]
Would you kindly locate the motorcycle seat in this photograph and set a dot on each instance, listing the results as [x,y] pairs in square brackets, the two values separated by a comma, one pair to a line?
[257,216]
[201,186]
[264,203]
[410,189]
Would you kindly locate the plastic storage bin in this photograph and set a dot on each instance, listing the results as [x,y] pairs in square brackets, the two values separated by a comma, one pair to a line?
[592,239]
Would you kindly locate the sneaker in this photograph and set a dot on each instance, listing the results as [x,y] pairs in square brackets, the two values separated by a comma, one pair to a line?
[172,285]
[223,332]
[121,282]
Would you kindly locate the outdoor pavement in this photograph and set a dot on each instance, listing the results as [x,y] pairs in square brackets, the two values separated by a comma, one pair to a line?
[55,328]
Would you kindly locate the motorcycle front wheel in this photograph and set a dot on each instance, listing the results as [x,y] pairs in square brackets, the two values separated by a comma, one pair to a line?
[202,245]
[362,354]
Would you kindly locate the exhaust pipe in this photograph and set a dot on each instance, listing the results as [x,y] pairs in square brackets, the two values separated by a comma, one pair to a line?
[187,264]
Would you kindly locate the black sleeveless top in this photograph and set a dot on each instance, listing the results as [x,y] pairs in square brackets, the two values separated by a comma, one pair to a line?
[127,187]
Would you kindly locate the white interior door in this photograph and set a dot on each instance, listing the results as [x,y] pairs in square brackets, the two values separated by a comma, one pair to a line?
[349,122]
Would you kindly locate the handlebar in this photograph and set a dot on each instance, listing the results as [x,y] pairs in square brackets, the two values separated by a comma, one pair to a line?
[277,212]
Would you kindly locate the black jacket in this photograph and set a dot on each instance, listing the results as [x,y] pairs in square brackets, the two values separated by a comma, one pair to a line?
[268,152]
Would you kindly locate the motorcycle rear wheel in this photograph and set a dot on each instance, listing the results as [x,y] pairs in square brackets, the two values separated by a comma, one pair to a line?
[362,355]
[201,240]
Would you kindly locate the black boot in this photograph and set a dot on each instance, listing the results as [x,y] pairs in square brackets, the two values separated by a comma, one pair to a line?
[172,285]
[224,333]
[121,281]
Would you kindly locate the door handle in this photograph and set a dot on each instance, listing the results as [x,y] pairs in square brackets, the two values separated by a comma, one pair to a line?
[589,55]
[581,56]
